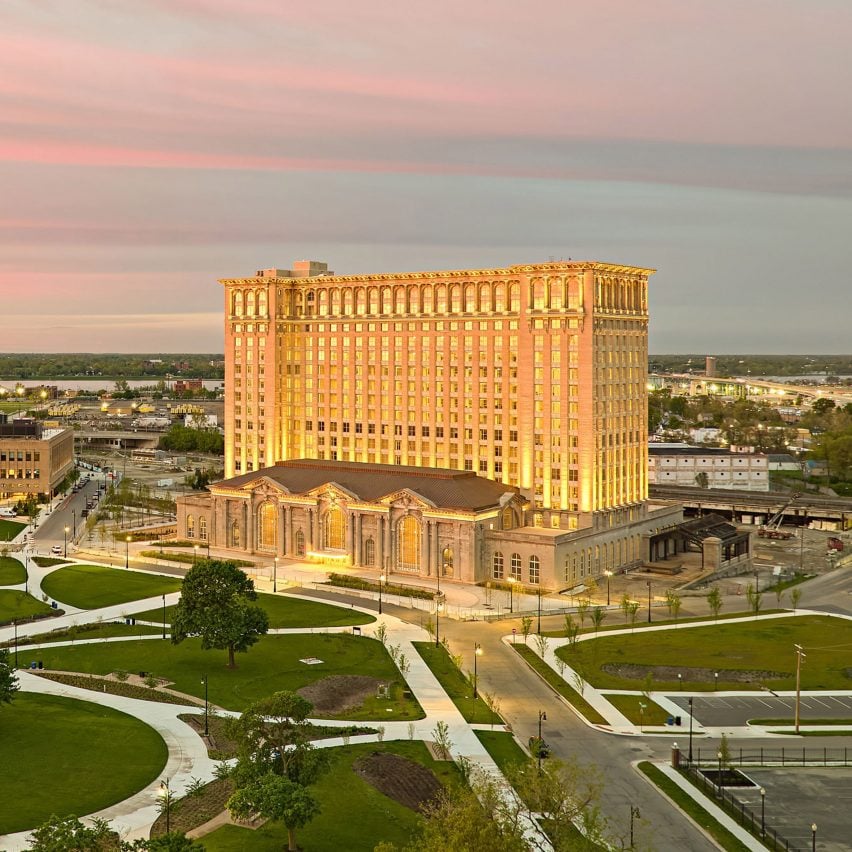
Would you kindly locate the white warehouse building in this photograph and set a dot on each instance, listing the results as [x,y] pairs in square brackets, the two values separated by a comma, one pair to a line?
[686,466]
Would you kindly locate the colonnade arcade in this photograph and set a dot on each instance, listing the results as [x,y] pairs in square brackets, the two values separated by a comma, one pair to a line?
[400,533]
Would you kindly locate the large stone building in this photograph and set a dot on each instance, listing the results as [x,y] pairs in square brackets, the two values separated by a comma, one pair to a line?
[532,378]
[33,460]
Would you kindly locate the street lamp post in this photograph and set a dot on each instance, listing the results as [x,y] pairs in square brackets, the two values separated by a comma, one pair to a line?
[719,757]
[679,682]
[539,610]
[511,588]
[65,545]
[206,707]
[126,552]
[800,654]
[195,554]
[649,601]
[542,717]
[608,574]
[690,730]
[763,812]
[813,836]
[438,607]
[715,681]
[477,652]
[642,707]
[16,642]
[73,524]
[381,581]
[164,616]
[275,574]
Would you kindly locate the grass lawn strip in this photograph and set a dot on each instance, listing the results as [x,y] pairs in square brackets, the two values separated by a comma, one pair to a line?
[9,529]
[503,748]
[12,572]
[94,586]
[807,722]
[455,684]
[91,630]
[56,746]
[355,816]
[789,733]
[692,809]
[187,558]
[746,655]
[19,605]
[652,714]
[271,665]
[644,625]
[286,611]
[552,679]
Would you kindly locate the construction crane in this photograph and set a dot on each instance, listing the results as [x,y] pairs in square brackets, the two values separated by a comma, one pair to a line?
[772,528]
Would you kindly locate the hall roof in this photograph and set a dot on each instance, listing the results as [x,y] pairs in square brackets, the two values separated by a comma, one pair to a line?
[444,488]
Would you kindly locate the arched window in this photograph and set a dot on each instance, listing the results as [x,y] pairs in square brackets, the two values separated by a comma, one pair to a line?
[360,301]
[235,534]
[441,299]
[202,528]
[399,299]
[538,294]
[455,298]
[238,303]
[447,562]
[387,295]
[413,300]
[408,544]
[250,303]
[470,299]
[556,291]
[335,301]
[323,302]
[374,300]
[427,299]
[268,526]
[535,570]
[516,566]
[261,303]
[497,566]
[190,526]
[484,298]
[335,529]
[300,542]
[499,297]
[369,552]
[514,296]
[508,519]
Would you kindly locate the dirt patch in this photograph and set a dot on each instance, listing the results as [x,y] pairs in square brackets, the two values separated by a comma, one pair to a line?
[400,779]
[634,671]
[338,693]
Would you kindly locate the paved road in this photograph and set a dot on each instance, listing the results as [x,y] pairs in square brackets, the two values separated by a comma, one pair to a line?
[51,528]
[724,711]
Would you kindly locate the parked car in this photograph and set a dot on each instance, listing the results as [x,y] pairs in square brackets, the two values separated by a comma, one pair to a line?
[56,550]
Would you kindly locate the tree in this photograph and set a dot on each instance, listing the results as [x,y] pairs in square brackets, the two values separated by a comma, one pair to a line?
[69,834]
[598,616]
[8,678]
[714,601]
[277,798]
[673,602]
[216,604]
[702,480]
[172,842]
[583,610]
[526,626]
[795,597]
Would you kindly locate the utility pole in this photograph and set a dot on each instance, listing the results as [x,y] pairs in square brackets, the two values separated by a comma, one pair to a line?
[800,654]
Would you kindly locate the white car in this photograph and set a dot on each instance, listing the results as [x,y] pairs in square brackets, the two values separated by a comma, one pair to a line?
[56,550]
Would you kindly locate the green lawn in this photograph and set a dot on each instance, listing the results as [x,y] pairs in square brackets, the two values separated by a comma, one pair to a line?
[9,529]
[503,748]
[269,666]
[107,630]
[355,816]
[56,761]
[746,646]
[19,605]
[92,586]
[286,611]
[652,714]
[12,572]
[455,684]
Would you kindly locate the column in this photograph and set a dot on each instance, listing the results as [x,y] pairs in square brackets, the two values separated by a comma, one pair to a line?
[380,543]
[436,549]
[356,554]
[289,543]
[248,540]
[281,544]
[424,548]
[316,528]
[350,536]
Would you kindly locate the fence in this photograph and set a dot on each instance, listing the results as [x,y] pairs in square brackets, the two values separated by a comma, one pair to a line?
[745,816]
[783,756]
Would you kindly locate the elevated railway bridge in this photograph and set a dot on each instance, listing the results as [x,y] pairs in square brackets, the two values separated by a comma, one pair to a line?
[757,507]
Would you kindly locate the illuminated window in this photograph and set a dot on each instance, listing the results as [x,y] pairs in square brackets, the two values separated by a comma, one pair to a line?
[300,543]
[409,544]
[190,526]
[202,529]
[497,566]
[369,552]
[335,529]
[516,566]
[268,526]
[535,570]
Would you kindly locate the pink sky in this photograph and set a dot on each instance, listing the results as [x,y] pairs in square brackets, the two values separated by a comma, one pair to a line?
[147,149]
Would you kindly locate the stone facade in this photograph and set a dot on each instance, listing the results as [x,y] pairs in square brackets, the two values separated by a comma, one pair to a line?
[33,460]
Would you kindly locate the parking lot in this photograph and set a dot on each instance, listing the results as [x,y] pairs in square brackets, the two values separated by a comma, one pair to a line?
[723,711]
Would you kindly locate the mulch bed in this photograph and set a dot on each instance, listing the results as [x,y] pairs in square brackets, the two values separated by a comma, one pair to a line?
[191,811]
[338,693]
[634,671]
[113,687]
[400,779]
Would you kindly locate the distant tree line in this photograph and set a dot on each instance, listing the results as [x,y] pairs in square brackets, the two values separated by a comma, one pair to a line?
[755,365]
[182,439]
[45,366]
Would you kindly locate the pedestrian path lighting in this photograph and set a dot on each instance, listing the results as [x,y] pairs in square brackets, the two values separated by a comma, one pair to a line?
[438,607]
[690,730]
[65,546]
[649,601]
[381,581]
[126,552]
[800,655]
[719,757]
[608,574]
[195,554]
[642,707]
[275,574]
[206,707]
[512,582]
[813,836]
[542,717]
[165,795]
[477,652]
[763,812]
[164,616]
[715,681]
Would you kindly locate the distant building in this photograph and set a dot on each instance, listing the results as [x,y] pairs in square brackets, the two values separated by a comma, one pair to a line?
[710,366]
[184,385]
[691,467]
[783,461]
[33,459]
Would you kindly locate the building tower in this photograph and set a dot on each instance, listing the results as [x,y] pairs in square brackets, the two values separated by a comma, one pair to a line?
[531,375]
